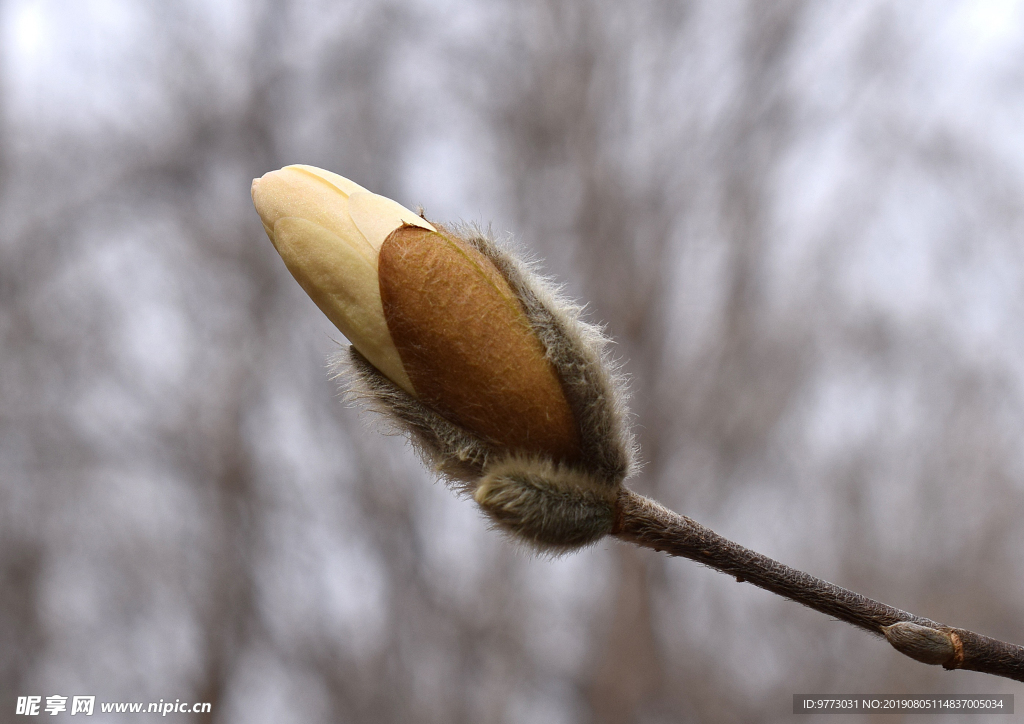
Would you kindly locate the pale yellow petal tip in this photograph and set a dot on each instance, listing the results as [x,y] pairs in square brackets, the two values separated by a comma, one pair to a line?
[341,183]
[258,199]
[253,191]
[377,216]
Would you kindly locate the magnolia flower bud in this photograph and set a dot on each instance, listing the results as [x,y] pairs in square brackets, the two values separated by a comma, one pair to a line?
[329,232]
[498,383]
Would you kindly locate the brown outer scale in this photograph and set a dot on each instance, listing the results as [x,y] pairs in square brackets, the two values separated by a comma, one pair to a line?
[468,347]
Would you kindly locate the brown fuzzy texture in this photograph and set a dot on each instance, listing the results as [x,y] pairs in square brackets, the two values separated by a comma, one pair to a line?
[595,390]
[545,497]
[454,454]
[468,347]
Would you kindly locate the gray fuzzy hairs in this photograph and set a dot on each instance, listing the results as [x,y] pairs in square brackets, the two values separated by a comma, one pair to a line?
[551,507]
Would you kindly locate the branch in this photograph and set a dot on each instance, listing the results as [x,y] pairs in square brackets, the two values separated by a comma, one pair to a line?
[647,523]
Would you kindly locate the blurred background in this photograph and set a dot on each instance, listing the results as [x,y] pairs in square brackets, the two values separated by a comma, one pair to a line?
[802,223]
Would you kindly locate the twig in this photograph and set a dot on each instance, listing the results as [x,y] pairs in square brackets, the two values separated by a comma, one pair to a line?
[647,523]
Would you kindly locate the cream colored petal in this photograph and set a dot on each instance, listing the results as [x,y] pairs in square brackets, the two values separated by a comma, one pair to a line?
[345,287]
[292,192]
[377,216]
[347,187]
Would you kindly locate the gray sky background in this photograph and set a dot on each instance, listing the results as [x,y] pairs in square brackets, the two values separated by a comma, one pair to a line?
[802,223]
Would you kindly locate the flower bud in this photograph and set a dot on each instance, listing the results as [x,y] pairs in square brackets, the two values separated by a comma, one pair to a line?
[494,377]
[329,231]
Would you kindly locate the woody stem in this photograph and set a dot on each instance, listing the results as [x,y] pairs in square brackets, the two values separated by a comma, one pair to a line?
[647,523]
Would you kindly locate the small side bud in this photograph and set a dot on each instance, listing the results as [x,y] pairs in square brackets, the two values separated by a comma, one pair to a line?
[552,507]
[922,643]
